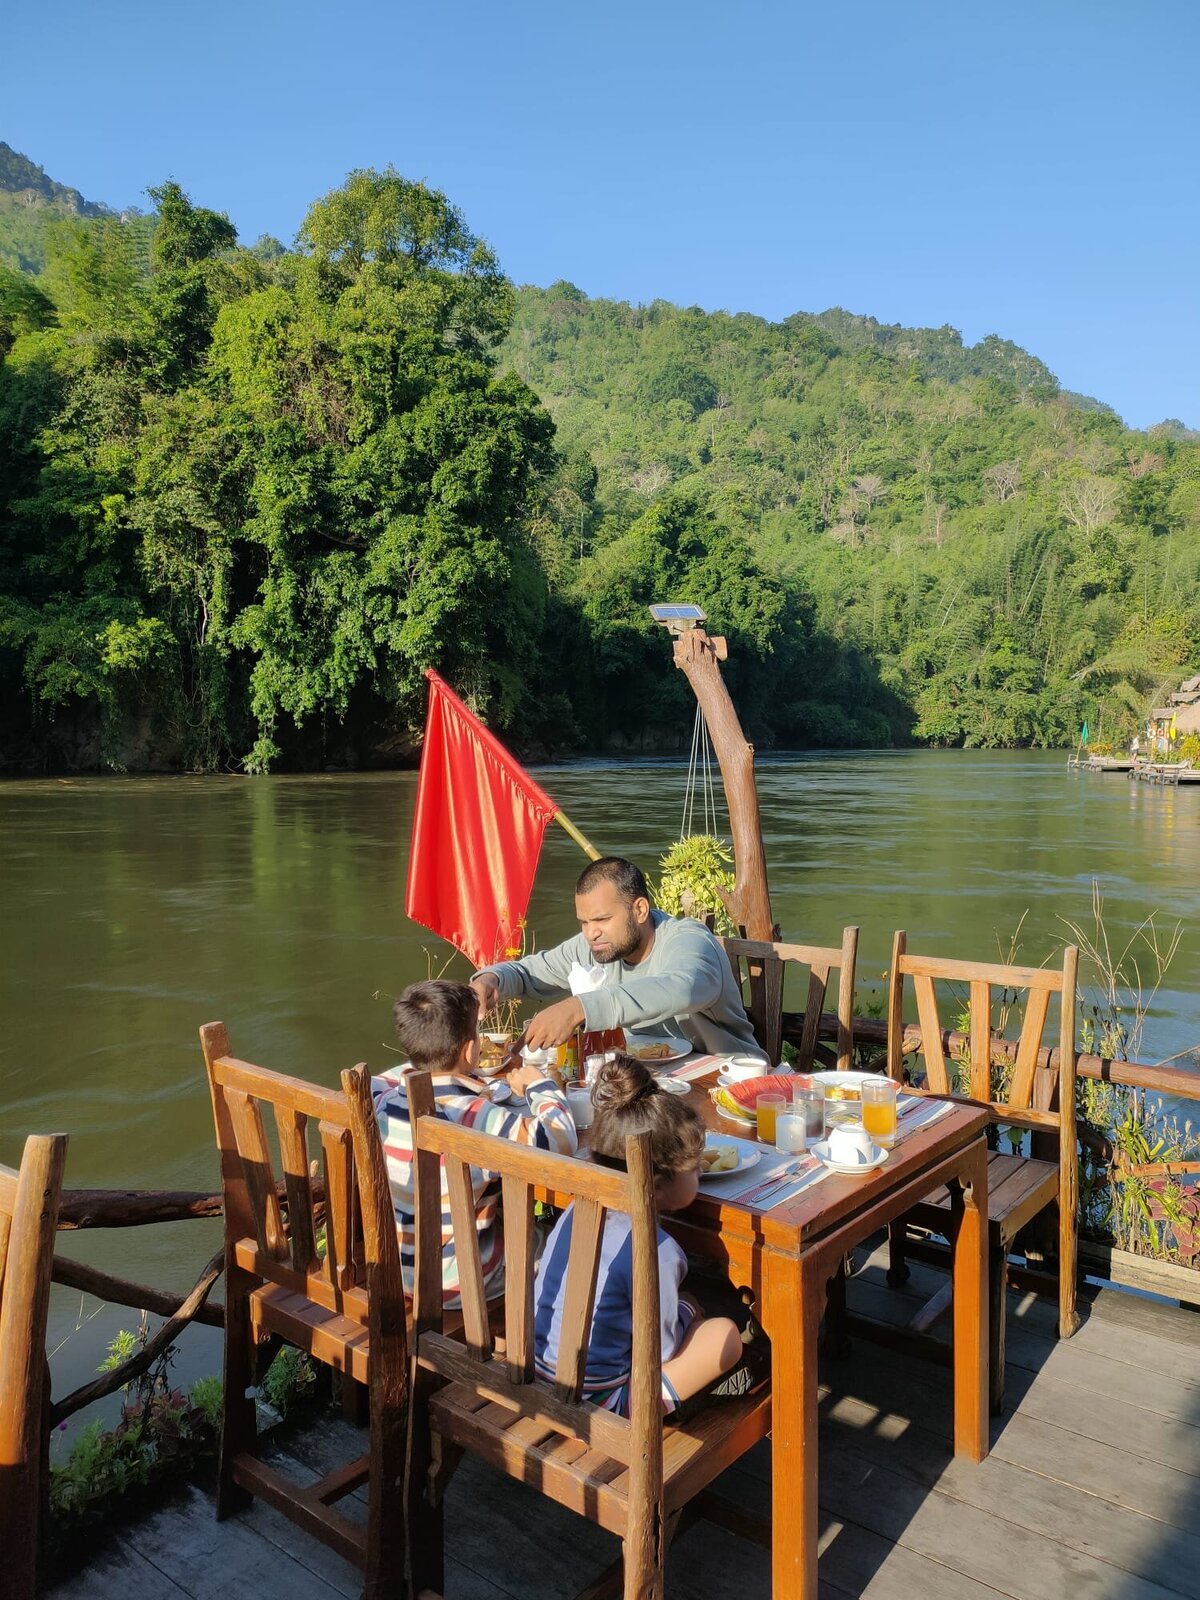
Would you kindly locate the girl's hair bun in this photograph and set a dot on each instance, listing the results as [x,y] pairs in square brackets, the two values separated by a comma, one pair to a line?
[622,1083]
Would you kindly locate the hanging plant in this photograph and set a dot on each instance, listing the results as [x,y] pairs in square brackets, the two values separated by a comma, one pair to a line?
[694,870]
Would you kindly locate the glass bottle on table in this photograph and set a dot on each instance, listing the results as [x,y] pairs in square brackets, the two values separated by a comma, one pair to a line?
[591,1042]
[568,1058]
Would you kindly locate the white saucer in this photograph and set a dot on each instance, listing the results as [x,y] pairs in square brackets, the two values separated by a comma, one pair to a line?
[850,1168]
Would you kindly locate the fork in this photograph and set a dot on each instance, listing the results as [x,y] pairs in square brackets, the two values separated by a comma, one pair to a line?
[779,1181]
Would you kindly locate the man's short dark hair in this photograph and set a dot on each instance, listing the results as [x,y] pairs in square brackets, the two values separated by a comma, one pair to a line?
[434,1020]
[628,880]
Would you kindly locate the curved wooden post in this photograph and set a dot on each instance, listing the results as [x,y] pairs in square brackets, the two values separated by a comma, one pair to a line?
[28,1212]
[698,657]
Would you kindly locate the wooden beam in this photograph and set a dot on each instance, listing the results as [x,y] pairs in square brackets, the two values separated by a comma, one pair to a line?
[124,1292]
[1179,1081]
[145,1358]
[134,1208]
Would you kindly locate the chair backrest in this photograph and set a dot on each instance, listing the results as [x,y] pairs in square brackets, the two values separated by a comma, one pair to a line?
[1041,1089]
[357,1274]
[760,967]
[513,1382]
[29,1200]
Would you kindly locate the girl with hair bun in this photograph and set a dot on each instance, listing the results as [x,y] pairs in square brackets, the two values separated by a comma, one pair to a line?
[701,1355]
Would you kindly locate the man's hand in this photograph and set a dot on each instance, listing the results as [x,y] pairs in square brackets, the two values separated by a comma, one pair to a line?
[487,989]
[554,1025]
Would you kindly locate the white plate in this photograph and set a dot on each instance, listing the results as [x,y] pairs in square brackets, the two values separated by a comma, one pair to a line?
[850,1168]
[674,1085]
[679,1048]
[746,1158]
[844,1080]
[748,1121]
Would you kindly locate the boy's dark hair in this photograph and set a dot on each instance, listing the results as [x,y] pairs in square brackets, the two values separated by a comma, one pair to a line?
[628,1100]
[628,880]
[434,1020]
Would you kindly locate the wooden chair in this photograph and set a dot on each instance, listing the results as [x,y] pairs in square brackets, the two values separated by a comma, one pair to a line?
[344,1305]
[29,1201]
[632,1476]
[760,967]
[1040,1099]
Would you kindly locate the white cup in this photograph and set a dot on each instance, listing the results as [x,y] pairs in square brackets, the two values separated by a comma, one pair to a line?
[850,1143]
[738,1069]
[579,1100]
[538,1058]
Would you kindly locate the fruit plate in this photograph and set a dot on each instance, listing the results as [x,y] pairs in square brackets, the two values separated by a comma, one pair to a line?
[746,1156]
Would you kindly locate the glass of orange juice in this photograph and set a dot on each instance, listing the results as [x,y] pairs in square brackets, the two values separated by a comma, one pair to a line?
[768,1107]
[879,1110]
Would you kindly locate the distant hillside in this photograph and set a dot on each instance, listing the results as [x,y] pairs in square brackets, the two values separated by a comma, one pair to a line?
[1006,555]
[940,351]
[29,199]
[218,511]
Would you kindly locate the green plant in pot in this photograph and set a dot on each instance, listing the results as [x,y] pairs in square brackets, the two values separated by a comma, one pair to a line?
[693,872]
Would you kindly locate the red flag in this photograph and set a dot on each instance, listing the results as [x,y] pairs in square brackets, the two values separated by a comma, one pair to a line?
[477,832]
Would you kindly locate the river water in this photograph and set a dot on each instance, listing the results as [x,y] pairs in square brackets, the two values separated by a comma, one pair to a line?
[136,909]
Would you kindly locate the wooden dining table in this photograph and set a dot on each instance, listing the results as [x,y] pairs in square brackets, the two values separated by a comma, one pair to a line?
[787,1256]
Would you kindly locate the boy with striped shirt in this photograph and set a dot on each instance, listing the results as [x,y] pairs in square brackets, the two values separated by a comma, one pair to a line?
[437,1023]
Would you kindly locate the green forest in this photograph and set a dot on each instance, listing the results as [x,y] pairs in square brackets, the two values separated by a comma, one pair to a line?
[247,495]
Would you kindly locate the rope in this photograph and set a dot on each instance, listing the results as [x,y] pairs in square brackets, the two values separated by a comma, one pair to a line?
[700,771]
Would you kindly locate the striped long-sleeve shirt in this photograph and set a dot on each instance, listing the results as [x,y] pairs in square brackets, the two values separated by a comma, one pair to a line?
[547,1125]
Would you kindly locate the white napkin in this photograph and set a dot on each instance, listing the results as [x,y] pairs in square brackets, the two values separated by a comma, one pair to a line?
[585,980]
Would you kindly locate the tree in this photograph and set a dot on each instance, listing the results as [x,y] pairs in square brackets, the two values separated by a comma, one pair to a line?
[1003,479]
[1090,502]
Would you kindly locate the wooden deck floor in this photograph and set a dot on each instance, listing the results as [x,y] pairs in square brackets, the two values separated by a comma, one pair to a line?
[1092,1489]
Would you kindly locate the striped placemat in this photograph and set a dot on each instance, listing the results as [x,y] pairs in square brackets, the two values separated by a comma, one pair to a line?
[923,1112]
[693,1067]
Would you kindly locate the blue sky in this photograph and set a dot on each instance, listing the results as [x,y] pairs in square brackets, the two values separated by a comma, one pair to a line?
[1006,167]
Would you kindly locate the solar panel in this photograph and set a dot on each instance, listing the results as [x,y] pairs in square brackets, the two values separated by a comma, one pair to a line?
[677,613]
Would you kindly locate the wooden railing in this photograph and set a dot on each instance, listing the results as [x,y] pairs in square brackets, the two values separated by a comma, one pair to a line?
[1133,1074]
[132,1208]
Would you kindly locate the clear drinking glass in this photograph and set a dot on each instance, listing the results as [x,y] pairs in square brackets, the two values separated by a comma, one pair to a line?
[790,1133]
[810,1098]
[579,1100]
[879,1110]
[768,1107]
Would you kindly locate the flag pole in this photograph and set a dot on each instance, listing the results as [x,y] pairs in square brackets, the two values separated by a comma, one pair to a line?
[568,826]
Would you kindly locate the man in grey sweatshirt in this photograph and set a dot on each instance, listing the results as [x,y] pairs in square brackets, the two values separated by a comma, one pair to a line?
[662,974]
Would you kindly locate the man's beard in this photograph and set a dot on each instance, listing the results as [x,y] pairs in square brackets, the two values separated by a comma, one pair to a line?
[620,948]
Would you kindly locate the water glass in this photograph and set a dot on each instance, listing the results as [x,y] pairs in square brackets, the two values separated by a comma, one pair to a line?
[790,1134]
[768,1107]
[879,1110]
[809,1098]
[579,1102]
